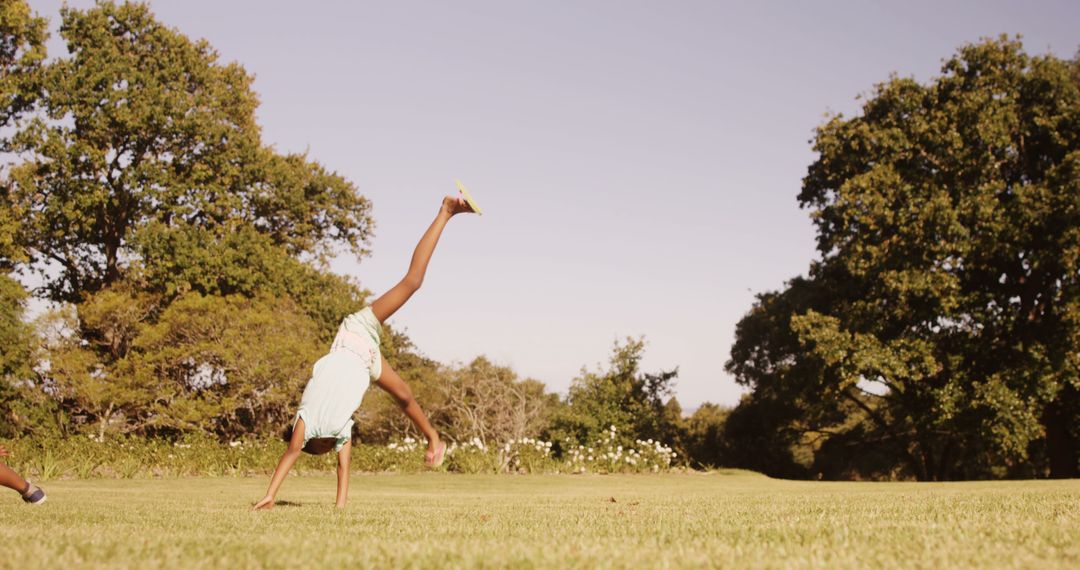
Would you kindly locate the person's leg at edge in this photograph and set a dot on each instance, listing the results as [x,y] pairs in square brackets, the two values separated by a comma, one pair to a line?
[396,387]
[389,302]
[285,464]
[12,480]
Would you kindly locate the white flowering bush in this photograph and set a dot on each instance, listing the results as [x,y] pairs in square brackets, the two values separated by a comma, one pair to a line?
[527,455]
[126,457]
[654,455]
[472,456]
[608,454]
[405,455]
[405,446]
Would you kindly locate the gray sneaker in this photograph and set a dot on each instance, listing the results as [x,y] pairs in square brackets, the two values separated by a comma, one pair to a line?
[33,494]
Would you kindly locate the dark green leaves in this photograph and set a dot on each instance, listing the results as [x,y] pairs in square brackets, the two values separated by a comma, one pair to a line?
[943,311]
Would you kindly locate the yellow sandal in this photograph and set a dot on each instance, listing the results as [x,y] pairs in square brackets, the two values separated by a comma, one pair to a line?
[464,193]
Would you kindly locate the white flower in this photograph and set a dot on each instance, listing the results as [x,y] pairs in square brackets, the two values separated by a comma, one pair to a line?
[234,443]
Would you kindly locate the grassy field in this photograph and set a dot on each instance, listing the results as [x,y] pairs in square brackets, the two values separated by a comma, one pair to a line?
[730,519]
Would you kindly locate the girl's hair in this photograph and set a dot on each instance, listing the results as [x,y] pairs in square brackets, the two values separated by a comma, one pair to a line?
[315,446]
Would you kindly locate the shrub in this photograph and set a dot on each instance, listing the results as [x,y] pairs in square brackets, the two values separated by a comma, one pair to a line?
[87,457]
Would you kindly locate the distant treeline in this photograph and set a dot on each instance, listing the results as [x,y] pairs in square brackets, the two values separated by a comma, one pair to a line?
[186,259]
[936,337]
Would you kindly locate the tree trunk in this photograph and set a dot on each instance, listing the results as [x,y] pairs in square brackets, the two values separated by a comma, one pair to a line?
[916,459]
[112,263]
[944,467]
[1061,445]
[103,422]
[927,452]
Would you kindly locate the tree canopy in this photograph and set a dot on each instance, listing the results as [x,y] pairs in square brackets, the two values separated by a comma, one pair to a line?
[621,396]
[141,130]
[22,49]
[943,317]
[139,192]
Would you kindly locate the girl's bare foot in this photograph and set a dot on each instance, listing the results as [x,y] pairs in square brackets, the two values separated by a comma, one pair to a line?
[456,205]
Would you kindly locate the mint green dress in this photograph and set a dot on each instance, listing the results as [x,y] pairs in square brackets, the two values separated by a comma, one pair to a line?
[340,379]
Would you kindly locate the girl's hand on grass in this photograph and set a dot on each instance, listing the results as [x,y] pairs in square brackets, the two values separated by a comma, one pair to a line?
[265,504]
[4,452]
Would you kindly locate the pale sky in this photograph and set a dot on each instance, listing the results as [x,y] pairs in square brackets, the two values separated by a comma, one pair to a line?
[638,162]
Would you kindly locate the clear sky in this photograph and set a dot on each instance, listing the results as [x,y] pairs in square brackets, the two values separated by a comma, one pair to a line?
[638,162]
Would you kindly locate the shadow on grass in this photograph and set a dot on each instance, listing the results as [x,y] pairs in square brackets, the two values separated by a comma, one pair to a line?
[287,504]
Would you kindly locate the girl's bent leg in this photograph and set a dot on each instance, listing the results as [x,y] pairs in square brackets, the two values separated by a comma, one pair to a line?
[396,387]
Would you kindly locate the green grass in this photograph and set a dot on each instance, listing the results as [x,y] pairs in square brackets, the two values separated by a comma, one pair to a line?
[730,519]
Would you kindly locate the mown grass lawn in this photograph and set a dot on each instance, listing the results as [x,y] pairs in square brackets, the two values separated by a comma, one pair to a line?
[729,519]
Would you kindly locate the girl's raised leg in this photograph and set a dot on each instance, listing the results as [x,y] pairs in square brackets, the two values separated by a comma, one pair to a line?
[389,302]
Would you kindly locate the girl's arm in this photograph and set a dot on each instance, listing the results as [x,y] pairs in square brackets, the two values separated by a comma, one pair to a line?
[343,473]
[285,464]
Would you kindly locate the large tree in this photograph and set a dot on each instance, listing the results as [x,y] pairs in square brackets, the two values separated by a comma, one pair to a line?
[142,129]
[140,193]
[22,50]
[942,321]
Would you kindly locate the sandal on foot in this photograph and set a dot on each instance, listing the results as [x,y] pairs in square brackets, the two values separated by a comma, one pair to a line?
[33,494]
[464,193]
[439,455]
